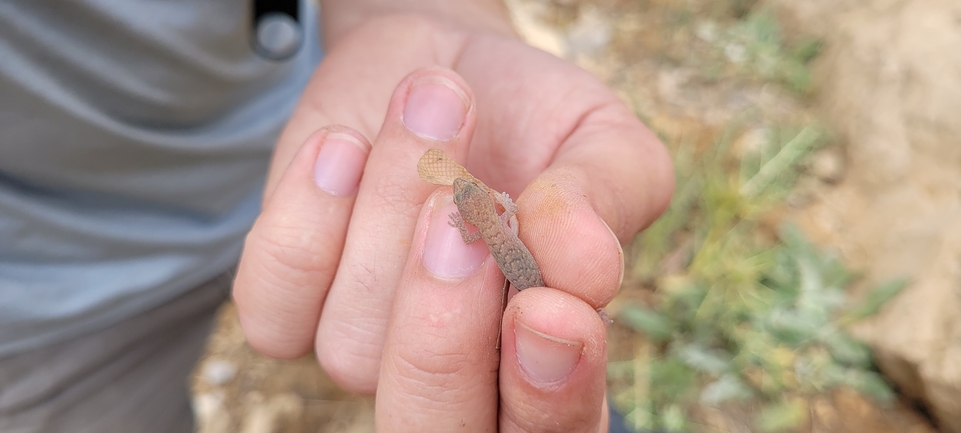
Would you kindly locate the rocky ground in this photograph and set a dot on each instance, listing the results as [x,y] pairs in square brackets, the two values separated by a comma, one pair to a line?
[886,193]
[892,87]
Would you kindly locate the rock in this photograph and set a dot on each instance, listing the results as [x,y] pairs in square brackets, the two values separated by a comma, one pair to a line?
[236,389]
[827,165]
[752,142]
[218,372]
[267,415]
[589,34]
[890,81]
[210,413]
[526,18]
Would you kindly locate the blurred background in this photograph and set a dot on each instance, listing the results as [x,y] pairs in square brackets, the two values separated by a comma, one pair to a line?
[807,276]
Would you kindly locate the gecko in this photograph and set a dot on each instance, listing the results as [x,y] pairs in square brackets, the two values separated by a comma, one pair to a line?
[476,207]
[475,203]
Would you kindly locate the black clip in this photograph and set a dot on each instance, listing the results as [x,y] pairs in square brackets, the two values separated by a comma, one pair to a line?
[277,30]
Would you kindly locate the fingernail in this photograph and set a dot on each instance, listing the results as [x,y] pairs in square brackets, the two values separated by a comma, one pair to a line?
[340,164]
[546,359]
[445,253]
[436,108]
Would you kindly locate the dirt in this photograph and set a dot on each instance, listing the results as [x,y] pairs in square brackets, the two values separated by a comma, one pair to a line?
[887,195]
[235,389]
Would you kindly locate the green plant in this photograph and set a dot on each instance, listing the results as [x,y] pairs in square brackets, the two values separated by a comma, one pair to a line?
[755,313]
[757,45]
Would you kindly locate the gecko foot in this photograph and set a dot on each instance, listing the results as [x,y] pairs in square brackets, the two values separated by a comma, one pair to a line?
[606,318]
[503,199]
[457,222]
[509,216]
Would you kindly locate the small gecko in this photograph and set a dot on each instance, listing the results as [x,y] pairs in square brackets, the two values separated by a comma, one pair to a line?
[511,255]
[475,206]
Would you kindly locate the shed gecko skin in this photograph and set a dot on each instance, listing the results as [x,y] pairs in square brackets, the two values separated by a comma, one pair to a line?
[476,207]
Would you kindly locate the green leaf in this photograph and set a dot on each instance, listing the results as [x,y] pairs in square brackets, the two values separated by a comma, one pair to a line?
[782,416]
[833,375]
[871,384]
[793,327]
[703,359]
[671,381]
[847,350]
[650,322]
[787,157]
[728,387]
[796,77]
[875,299]
[807,49]
[673,419]
[640,419]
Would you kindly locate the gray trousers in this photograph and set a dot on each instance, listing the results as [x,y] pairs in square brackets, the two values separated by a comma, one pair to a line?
[130,377]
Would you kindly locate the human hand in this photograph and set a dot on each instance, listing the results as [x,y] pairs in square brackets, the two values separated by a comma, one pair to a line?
[526,122]
[440,367]
[441,370]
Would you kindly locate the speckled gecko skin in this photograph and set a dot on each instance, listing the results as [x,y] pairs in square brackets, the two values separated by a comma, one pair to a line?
[476,207]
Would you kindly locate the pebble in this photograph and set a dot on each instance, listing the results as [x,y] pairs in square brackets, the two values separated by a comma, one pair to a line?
[219,372]
[827,165]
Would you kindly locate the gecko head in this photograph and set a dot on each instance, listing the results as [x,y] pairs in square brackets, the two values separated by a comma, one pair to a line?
[466,191]
[471,198]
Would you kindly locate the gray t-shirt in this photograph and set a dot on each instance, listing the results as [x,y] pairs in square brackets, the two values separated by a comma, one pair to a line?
[134,140]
